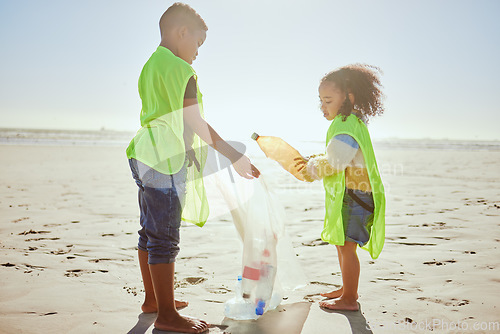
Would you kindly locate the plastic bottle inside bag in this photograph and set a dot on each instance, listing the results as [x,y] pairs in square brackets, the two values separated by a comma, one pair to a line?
[239,308]
[264,289]
[251,276]
[278,150]
[262,225]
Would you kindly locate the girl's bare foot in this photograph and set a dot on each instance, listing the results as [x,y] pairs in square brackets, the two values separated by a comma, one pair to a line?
[181,324]
[180,304]
[335,294]
[152,308]
[340,304]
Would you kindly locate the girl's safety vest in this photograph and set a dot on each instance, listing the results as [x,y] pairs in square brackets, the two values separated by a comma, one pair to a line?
[333,231]
[159,143]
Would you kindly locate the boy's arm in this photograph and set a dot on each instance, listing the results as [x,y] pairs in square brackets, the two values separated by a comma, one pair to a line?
[193,119]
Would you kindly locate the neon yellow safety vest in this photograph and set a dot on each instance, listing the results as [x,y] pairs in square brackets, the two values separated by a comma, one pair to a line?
[333,231]
[159,143]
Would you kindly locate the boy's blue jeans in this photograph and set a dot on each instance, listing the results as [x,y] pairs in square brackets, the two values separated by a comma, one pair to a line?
[161,198]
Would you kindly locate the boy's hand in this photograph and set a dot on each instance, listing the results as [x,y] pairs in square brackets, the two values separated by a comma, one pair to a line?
[192,159]
[245,169]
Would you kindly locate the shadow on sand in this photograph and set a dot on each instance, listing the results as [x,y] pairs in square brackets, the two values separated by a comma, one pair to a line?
[288,318]
[356,319]
[143,323]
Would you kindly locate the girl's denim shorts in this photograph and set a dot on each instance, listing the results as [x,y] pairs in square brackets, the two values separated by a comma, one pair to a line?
[161,198]
[357,220]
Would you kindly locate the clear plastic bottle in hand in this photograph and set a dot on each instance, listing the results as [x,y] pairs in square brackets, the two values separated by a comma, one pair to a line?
[279,150]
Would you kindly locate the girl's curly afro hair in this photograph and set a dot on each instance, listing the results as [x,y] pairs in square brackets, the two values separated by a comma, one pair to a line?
[363,82]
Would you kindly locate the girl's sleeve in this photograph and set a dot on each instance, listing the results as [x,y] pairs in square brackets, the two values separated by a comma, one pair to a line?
[339,153]
[341,150]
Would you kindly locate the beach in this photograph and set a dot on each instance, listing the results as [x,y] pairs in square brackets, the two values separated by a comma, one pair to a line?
[68,236]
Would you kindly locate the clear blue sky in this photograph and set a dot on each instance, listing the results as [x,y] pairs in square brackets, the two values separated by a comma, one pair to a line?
[75,64]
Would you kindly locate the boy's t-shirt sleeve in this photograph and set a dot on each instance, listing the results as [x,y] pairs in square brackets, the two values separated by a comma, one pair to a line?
[191,91]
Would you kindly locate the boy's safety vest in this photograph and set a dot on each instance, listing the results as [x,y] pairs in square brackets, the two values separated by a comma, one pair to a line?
[159,143]
[333,231]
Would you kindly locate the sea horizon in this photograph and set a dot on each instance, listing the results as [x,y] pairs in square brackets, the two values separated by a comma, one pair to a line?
[108,137]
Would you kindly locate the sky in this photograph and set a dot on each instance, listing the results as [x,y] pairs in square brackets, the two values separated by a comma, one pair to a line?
[75,64]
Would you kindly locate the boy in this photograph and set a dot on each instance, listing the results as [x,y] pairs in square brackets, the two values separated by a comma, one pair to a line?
[167,156]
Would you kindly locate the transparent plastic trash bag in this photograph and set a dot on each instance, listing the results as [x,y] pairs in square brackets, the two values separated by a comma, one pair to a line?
[269,263]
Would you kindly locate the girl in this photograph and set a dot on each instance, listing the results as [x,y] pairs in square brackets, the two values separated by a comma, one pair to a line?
[355,200]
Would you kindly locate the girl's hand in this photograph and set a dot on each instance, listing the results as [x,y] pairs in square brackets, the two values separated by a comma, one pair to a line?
[301,163]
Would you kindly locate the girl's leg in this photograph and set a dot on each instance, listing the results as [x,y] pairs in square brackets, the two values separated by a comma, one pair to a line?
[350,279]
[149,305]
[335,293]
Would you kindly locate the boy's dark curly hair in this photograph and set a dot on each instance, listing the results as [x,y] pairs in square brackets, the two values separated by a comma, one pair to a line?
[181,13]
[363,82]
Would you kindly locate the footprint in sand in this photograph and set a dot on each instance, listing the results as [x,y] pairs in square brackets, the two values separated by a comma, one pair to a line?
[42,314]
[195,280]
[219,290]
[314,297]
[452,302]
[8,264]
[413,243]
[52,225]
[28,268]
[188,281]
[99,260]
[60,251]
[38,239]
[33,232]
[80,272]
[20,219]
[439,263]
[131,290]
[316,242]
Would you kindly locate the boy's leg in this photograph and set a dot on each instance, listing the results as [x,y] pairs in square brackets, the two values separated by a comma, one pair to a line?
[350,279]
[149,305]
[162,275]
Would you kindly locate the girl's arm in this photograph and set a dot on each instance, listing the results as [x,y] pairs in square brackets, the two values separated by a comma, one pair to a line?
[340,151]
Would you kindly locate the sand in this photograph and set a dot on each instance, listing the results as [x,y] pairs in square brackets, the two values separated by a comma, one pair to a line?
[69,218]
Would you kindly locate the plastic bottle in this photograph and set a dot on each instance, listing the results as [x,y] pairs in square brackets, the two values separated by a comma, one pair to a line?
[261,305]
[251,275]
[252,248]
[238,308]
[238,286]
[278,150]
[265,285]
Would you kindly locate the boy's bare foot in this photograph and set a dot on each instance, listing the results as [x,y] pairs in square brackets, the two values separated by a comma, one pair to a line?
[340,304]
[181,324]
[152,308]
[334,294]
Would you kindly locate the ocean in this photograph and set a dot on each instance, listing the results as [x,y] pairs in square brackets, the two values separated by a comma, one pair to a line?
[11,136]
